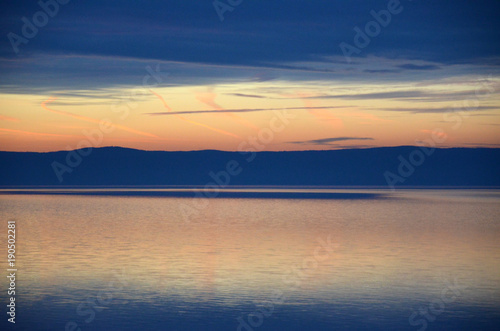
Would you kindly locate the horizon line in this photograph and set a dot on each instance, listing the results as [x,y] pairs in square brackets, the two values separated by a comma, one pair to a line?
[263,151]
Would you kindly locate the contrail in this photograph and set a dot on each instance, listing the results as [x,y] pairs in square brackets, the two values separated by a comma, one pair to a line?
[193,122]
[37,133]
[92,120]
[242,110]
[320,113]
[208,98]
[8,118]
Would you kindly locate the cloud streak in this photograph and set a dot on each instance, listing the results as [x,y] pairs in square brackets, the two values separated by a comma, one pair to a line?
[407,95]
[328,141]
[8,118]
[37,133]
[193,122]
[438,110]
[208,98]
[91,120]
[241,110]
[411,66]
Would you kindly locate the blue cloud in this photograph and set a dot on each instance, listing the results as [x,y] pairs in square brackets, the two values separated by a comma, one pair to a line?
[283,35]
[328,141]
[411,66]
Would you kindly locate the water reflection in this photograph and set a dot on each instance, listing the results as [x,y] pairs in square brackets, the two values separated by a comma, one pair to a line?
[135,263]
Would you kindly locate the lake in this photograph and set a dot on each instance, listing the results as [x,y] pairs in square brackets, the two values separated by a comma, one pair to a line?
[254,259]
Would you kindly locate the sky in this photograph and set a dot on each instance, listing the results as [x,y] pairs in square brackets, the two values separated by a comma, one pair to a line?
[240,74]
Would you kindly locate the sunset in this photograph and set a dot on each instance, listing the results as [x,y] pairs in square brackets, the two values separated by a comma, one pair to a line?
[134,66]
[250,165]
[220,116]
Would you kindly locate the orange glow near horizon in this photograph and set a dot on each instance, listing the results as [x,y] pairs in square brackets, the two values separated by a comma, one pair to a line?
[239,112]
[193,122]
[91,120]
[208,98]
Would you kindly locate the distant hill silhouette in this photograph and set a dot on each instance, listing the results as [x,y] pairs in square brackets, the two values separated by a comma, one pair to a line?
[355,167]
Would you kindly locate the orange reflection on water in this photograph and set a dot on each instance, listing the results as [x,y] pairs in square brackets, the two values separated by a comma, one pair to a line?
[244,248]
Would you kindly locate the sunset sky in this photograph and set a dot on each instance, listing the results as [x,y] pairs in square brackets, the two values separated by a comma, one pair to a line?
[171,75]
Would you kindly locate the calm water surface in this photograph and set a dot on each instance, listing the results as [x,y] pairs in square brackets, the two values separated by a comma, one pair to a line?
[256,260]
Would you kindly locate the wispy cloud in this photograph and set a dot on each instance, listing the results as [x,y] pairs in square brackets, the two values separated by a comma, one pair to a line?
[8,118]
[193,122]
[404,67]
[208,98]
[320,113]
[328,141]
[91,120]
[407,95]
[37,133]
[262,43]
[376,95]
[411,66]
[437,109]
[381,71]
[247,95]
[241,110]
[351,146]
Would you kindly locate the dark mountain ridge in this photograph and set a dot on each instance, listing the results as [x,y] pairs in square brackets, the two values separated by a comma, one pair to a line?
[402,166]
